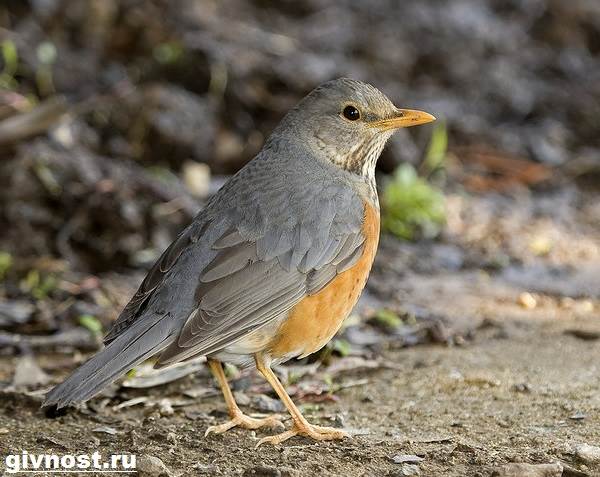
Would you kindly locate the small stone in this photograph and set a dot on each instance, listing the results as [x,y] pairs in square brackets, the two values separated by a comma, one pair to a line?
[28,373]
[527,301]
[264,403]
[338,420]
[578,416]
[584,306]
[262,471]
[406,458]
[241,398]
[207,469]
[541,245]
[529,470]
[149,465]
[521,388]
[106,430]
[587,453]
[165,408]
[196,176]
[410,469]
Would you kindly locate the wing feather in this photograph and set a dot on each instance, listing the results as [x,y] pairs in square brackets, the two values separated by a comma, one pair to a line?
[251,283]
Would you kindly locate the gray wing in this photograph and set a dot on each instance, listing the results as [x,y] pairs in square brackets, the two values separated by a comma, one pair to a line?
[284,247]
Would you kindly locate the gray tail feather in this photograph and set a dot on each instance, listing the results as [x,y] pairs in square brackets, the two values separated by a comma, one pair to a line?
[130,348]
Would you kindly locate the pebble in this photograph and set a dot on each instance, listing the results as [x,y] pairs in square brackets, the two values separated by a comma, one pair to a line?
[406,459]
[149,465]
[587,453]
[410,469]
[165,407]
[527,301]
[106,430]
[207,469]
[264,403]
[196,176]
[529,470]
[28,373]
[241,398]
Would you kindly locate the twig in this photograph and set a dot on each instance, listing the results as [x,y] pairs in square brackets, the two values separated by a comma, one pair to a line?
[31,123]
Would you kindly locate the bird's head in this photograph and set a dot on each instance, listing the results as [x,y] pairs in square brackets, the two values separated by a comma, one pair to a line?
[348,122]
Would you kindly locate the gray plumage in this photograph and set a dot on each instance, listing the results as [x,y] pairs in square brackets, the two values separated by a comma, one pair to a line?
[278,231]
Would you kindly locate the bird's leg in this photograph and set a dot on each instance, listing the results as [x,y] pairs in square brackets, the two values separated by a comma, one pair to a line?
[301,426]
[238,418]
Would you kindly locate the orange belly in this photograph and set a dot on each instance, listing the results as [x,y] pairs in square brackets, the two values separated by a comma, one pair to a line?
[314,321]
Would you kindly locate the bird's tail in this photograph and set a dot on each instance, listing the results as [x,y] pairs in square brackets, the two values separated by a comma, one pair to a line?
[130,348]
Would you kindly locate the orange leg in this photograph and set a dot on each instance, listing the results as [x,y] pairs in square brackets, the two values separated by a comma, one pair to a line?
[301,426]
[238,418]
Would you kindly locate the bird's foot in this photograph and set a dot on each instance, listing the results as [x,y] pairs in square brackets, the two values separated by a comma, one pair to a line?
[239,419]
[318,433]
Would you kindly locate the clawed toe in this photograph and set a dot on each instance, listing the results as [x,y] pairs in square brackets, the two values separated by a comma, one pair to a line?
[317,433]
[246,422]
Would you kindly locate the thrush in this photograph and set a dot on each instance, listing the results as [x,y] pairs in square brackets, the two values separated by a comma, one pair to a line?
[273,264]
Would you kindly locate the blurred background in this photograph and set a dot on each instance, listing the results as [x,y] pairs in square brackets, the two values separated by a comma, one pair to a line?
[119,118]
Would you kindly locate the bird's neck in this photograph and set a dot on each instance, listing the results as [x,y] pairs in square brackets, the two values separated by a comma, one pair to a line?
[358,169]
[358,163]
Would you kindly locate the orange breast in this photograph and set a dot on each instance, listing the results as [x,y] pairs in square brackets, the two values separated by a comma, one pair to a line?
[314,321]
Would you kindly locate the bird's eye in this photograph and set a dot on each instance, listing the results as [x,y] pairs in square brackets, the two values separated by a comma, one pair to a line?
[351,113]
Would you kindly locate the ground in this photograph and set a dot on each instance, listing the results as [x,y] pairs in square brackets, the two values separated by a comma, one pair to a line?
[508,372]
[518,393]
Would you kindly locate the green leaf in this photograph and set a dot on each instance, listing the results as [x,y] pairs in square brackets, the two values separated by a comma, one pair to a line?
[91,323]
[388,318]
[342,347]
[45,287]
[6,261]
[10,57]
[168,52]
[231,370]
[437,150]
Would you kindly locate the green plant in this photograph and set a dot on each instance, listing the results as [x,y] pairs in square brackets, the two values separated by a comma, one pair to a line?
[10,58]
[435,157]
[412,207]
[91,323]
[341,346]
[46,55]
[387,318]
[6,262]
[39,287]
[168,52]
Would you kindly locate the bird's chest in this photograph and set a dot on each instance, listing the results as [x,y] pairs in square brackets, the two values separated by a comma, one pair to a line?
[316,319]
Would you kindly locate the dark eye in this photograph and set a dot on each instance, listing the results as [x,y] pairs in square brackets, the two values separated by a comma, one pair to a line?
[351,113]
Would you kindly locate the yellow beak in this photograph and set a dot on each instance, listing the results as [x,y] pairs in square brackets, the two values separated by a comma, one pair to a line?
[404,118]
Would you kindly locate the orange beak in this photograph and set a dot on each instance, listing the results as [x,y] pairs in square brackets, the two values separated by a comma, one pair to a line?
[404,118]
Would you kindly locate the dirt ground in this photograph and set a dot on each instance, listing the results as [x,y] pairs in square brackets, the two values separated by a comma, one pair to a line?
[521,392]
[518,382]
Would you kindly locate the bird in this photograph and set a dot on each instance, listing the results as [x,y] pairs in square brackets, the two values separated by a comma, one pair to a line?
[269,269]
